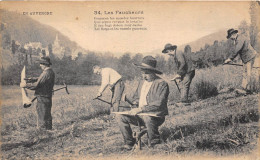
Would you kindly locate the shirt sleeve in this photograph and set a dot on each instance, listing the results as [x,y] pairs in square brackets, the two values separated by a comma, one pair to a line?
[161,97]
[238,47]
[105,80]
[134,98]
[40,82]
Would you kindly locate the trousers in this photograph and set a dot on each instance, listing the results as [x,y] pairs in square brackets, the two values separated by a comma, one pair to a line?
[117,92]
[247,75]
[185,85]
[151,123]
[43,108]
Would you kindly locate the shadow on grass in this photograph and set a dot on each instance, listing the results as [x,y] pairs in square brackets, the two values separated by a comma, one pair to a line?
[214,145]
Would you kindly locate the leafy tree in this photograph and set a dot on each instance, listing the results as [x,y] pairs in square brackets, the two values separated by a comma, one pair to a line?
[243,28]
[254,30]
[161,63]
[6,40]
[125,66]
[13,46]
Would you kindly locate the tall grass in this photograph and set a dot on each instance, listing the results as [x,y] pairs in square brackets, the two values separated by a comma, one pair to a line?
[210,124]
[79,104]
[207,82]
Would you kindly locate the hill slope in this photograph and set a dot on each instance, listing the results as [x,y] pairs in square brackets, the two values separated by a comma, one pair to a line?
[24,29]
[199,43]
[209,39]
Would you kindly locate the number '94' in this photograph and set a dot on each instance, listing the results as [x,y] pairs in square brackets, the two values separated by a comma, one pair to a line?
[97,12]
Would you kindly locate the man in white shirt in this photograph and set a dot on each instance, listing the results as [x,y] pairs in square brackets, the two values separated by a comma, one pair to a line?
[113,80]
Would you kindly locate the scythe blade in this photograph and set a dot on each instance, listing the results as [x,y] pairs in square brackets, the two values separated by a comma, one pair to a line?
[26,100]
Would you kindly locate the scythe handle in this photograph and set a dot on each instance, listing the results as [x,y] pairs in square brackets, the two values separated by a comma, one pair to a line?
[235,64]
[177,86]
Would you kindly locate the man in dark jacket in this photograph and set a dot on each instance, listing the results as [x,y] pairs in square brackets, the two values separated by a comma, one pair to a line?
[150,98]
[185,69]
[247,55]
[43,91]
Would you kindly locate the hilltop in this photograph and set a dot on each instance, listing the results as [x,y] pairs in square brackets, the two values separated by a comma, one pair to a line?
[208,39]
[23,30]
[199,43]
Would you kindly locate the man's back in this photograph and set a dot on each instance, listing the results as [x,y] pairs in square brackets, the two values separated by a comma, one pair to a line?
[184,63]
[46,83]
[110,76]
[244,48]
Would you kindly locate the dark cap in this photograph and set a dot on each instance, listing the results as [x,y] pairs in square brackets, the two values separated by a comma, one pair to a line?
[45,61]
[230,32]
[169,47]
[149,63]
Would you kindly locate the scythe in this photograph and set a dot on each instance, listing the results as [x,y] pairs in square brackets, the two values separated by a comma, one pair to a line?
[26,100]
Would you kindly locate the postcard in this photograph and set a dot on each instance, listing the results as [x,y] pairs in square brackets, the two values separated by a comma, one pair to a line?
[129,80]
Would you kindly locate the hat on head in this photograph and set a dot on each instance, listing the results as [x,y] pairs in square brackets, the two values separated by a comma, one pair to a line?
[45,61]
[230,32]
[149,63]
[169,46]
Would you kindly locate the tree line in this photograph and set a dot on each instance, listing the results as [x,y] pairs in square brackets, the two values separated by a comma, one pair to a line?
[78,70]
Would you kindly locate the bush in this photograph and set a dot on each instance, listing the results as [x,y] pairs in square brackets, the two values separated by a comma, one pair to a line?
[205,89]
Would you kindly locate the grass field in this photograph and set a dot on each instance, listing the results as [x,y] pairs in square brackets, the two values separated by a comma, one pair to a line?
[220,124]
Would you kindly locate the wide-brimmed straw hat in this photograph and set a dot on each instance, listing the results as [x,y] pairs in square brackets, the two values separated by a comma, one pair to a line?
[169,46]
[149,63]
[230,32]
[45,61]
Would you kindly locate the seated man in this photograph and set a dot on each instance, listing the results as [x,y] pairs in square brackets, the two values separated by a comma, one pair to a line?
[150,97]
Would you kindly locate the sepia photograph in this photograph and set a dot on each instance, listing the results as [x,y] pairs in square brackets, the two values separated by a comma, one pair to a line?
[130,80]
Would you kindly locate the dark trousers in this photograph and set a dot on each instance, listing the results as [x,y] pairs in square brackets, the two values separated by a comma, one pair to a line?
[185,85]
[117,92]
[43,109]
[151,123]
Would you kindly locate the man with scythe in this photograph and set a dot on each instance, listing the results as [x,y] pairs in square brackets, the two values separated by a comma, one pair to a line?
[185,70]
[113,80]
[247,55]
[43,92]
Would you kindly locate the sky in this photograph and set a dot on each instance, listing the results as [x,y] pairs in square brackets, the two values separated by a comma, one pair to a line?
[166,22]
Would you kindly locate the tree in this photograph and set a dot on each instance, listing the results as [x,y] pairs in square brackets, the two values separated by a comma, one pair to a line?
[206,46]
[6,40]
[161,63]
[125,66]
[51,55]
[13,46]
[67,52]
[137,59]
[243,28]
[254,31]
